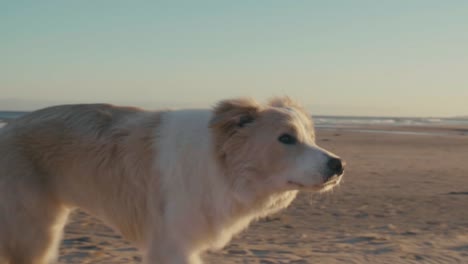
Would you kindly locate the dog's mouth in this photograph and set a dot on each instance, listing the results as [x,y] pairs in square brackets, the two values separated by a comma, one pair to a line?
[296,184]
[333,180]
[325,186]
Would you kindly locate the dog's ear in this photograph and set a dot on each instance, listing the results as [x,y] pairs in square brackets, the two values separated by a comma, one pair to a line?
[231,115]
[283,102]
[287,102]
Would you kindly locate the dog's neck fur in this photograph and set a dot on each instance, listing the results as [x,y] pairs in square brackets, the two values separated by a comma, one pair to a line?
[188,141]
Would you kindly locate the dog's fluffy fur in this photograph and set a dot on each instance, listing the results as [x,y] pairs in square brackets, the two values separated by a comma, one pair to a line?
[176,183]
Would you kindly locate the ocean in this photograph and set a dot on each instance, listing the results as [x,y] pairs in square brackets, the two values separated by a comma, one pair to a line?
[346,122]
[350,121]
[7,115]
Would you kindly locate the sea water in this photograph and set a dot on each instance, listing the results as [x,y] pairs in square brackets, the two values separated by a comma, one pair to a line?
[350,121]
[353,123]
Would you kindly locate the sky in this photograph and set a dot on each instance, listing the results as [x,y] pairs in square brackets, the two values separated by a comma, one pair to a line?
[366,58]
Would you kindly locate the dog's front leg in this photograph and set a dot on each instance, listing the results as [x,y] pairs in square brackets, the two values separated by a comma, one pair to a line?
[167,251]
[171,258]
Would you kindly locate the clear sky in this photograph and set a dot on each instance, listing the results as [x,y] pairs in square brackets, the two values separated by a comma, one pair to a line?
[393,58]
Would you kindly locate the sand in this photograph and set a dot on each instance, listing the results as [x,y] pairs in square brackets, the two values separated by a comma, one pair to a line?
[404,199]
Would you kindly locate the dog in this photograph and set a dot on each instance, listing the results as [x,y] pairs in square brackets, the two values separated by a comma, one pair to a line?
[174,182]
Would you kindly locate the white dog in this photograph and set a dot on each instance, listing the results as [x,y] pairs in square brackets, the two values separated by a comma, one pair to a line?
[176,183]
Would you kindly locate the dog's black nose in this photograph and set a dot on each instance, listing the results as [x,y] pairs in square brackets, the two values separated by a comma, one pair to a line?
[335,166]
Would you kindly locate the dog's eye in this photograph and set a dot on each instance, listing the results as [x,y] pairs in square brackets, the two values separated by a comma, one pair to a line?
[287,139]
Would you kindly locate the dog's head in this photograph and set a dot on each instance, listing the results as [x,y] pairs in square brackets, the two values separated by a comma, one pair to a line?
[272,147]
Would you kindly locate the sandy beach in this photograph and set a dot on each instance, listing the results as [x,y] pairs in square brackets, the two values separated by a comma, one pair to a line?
[404,199]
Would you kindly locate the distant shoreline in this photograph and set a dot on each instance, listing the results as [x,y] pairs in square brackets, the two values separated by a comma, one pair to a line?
[8,115]
[339,117]
[362,124]
[401,130]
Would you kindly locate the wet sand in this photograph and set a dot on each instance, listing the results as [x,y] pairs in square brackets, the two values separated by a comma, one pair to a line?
[404,199]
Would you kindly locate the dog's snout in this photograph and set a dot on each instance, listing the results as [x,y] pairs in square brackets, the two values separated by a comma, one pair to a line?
[335,166]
